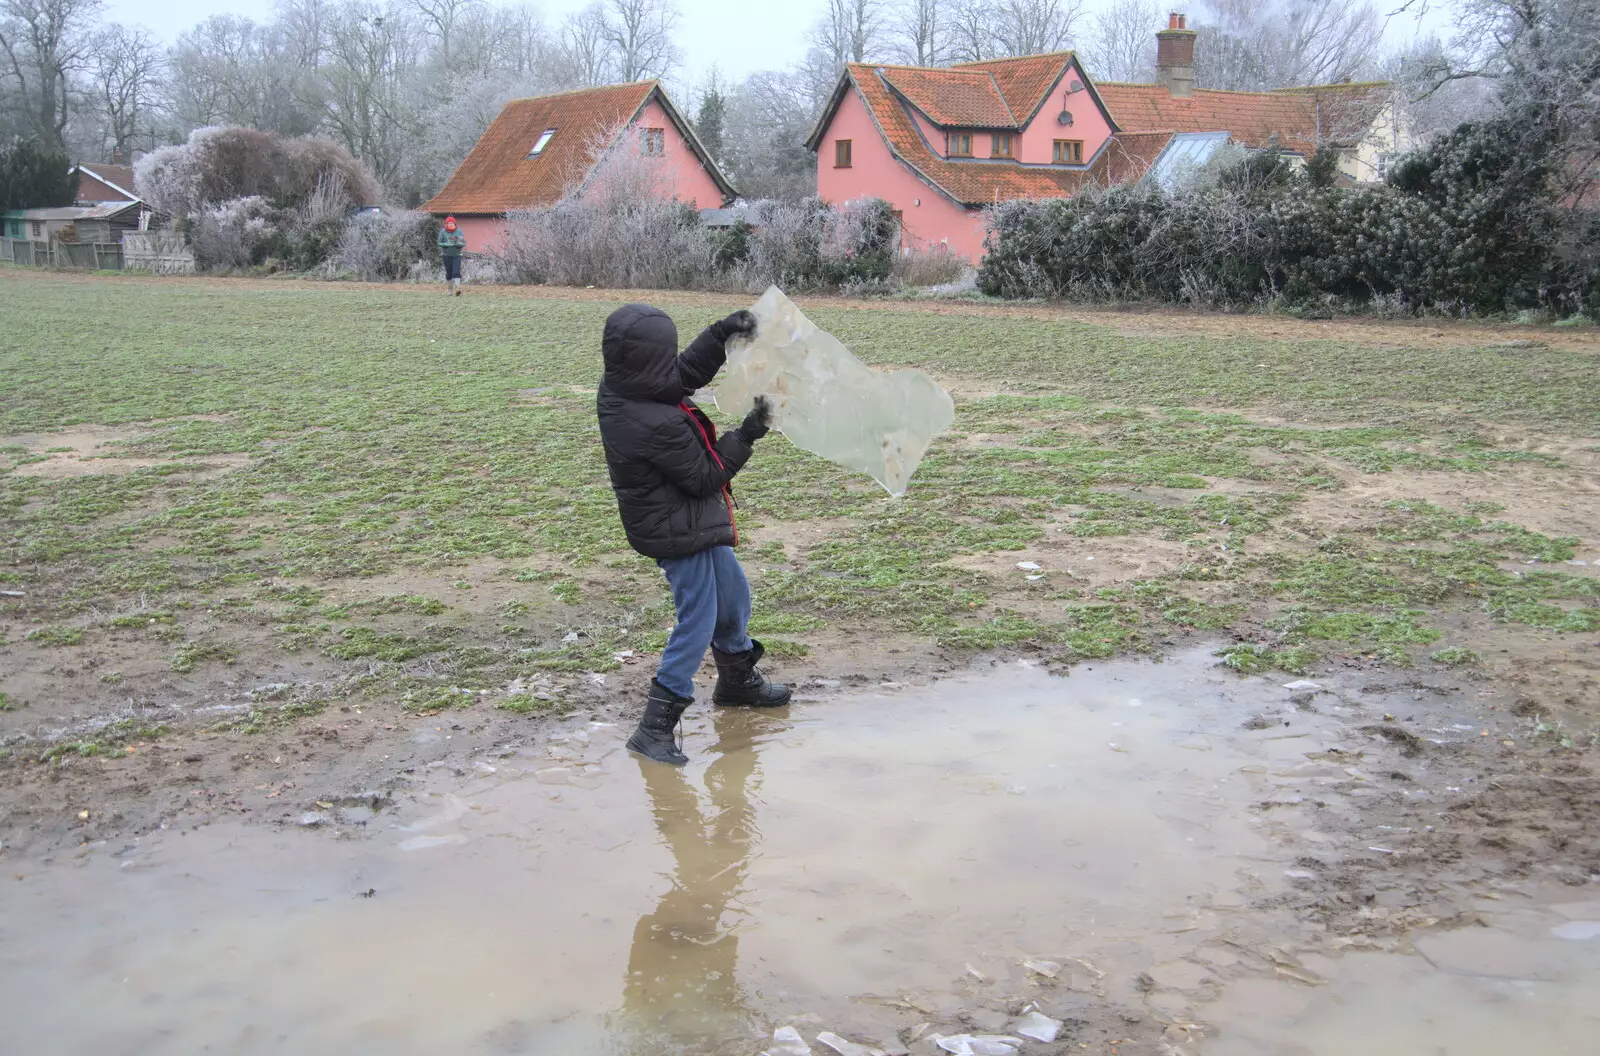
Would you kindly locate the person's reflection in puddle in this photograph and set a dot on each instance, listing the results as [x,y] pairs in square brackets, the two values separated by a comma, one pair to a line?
[681,994]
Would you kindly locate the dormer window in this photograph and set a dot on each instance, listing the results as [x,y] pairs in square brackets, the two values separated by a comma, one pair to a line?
[958,144]
[543,141]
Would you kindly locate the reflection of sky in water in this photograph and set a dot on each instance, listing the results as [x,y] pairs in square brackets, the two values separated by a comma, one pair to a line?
[860,865]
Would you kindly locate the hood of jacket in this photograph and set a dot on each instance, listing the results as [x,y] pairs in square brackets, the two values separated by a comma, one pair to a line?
[640,347]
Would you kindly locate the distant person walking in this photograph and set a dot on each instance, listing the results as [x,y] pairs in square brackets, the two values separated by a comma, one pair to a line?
[451,242]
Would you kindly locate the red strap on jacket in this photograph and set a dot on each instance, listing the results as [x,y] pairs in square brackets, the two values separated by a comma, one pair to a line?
[727,489]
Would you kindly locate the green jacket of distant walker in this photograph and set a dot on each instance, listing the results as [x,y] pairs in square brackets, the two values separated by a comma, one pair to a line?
[451,242]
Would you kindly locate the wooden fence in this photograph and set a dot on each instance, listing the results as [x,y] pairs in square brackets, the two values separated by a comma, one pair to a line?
[105,256]
[158,252]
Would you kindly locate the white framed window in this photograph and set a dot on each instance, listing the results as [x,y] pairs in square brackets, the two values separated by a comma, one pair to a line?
[655,141]
[542,142]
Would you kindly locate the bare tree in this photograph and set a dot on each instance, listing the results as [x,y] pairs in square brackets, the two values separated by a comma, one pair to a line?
[1246,44]
[921,32]
[586,46]
[850,31]
[764,148]
[522,44]
[441,18]
[1033,27]
[46,43]
[1544,59]
[365,86]
[972,25]
[304,27]
[1121,42]
[640,34]
[127,66]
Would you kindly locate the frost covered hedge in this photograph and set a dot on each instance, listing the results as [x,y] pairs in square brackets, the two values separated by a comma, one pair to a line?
[1463,225]
[387,245]
[663,245]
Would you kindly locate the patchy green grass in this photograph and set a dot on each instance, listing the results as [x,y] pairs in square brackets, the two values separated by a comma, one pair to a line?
[528,703]
[190,655]
[387,440]
[56,636]
[1455,657]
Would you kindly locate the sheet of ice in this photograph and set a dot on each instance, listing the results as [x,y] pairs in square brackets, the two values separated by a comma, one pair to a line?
[827,401]
[788,1042]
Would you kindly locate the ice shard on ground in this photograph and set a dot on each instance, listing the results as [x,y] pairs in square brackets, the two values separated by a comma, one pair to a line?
[827,401]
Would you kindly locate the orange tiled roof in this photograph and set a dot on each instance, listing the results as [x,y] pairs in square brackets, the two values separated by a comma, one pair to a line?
[952,97]
[1345,112]
[121,175]
[969,182]
[498,176]
[1023,81]
[1252,117]
[1128,156]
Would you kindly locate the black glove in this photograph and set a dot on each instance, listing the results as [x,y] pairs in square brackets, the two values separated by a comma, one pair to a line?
[759,421]
[740,322]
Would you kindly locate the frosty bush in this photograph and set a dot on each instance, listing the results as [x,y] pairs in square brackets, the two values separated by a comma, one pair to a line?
[387,245]
[236,234]
[218,165]
[937,266]
[1462,227]
[575,243]
[663,245]
[811,245]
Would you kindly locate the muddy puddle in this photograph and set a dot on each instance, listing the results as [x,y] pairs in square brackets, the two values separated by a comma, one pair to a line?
[889,865]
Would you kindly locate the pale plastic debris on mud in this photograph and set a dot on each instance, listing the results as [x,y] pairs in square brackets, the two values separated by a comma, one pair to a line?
[1301,685]
[843,1046]
[1048,969]
[1028,566]
[786,1041]
[1038,1026]
[1577,930]
[979,1044]
[827,401]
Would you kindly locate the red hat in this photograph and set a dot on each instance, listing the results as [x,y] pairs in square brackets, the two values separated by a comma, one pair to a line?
[449,220]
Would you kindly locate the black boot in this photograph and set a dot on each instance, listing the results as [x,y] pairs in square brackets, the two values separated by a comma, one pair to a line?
[739,684]
[653,737]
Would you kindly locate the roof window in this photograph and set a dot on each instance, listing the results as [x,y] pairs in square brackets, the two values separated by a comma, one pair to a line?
[544,141]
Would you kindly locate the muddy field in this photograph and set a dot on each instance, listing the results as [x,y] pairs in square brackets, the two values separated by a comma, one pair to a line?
[296,576]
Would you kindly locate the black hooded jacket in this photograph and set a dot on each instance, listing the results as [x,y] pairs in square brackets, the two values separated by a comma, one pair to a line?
[670,471]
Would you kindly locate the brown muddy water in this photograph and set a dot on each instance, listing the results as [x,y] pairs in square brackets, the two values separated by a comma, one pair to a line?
[864,864]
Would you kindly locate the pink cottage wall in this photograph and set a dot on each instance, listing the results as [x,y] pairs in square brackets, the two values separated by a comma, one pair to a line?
[927,216]
[1037,143]
[484,233]
[686,179]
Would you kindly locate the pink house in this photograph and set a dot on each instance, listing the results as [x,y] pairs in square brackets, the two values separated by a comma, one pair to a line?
[540,149]
[941,144]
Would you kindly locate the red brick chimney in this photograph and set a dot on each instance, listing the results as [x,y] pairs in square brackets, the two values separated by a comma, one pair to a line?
[1175,56]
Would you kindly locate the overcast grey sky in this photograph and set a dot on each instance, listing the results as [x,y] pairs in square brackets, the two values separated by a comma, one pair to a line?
[738,36]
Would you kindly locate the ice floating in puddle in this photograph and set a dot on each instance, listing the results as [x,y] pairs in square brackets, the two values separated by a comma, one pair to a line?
[1038,1026]
[842,1046]
[786,1041]
[827,401]
[1577,930]
[979,1044]
[423,843]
